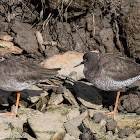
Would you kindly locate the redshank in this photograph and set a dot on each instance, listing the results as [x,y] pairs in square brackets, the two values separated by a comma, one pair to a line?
[110,72]
[17,74]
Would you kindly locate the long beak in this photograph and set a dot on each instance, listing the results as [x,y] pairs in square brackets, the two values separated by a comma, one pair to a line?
[79,64]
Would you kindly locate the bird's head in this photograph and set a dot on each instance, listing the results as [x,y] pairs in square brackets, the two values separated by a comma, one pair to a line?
[90,59]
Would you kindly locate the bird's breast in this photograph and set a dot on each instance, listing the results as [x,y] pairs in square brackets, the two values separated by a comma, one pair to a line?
[108,84]
[14,85]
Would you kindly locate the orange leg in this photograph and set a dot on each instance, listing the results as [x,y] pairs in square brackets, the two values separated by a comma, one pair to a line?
[17,103]
[116,104]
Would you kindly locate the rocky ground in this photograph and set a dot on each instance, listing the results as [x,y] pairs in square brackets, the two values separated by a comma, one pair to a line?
[56,34]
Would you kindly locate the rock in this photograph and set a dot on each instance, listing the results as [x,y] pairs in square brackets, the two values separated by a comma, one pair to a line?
[94,127]
[82,108]
[41,104]
[6,37]
[58,136]
[55,99]
[50,124]
[25,113]
[138,111]
[130,102]
[111,126]
[73,113]
[127,120]
[137,133]
[33,93]
[27,136]
[131,26]
[25,37]
[10,128]
[4,97]
[125,132]
[69,96]
[107,39]
[66,62]
[138,136]
[68,137]
[87,95]
[9,48]
[87,135]
[98,117]
[71,126]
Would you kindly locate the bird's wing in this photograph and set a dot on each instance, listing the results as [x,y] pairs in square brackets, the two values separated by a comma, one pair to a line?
[26,70]
[118,67]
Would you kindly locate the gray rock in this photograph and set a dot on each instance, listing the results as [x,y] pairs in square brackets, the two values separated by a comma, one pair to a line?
[69,96]
[25,113]
[71,126]
[94,127]
[125,132]
[33,93]
[50,124]
[73,113]
[111,126]
[27,136]
[107,39]
[55,99]
[58,136]
[4,97]
[98,117]
[10,127]
[25,37]
[87,95]
[68,137]
[87,135]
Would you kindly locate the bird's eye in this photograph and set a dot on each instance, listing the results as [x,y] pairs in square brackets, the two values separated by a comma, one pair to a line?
[85,60]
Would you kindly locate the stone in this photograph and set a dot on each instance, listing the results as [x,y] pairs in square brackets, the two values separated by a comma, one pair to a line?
[87,135]
[130,24]
[25,113]
[66,62]
[98,117]
[50,124]
[124,132]
[87,95]
[71,126]
[68,137]
[4,97]
[69,96]
[127,120]
[106,35]
[27,136]
[111,126]
[58,136]
[94,127]
[55,99]
[33,93]
[73,113]
[10,128]
[25,37]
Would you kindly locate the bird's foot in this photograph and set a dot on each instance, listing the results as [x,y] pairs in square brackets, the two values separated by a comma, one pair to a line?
[11,114]
[112,113]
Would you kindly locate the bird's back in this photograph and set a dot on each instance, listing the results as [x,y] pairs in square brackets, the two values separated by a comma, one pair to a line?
[114,72]
[17,72]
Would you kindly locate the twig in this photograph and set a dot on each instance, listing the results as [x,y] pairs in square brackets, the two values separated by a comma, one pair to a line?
[27,8]
[45,23]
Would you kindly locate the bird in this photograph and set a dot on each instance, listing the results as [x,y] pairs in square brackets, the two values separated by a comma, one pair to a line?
[110,72]
[17,74]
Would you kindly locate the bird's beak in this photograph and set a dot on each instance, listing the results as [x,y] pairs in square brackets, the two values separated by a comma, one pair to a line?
[79,64]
